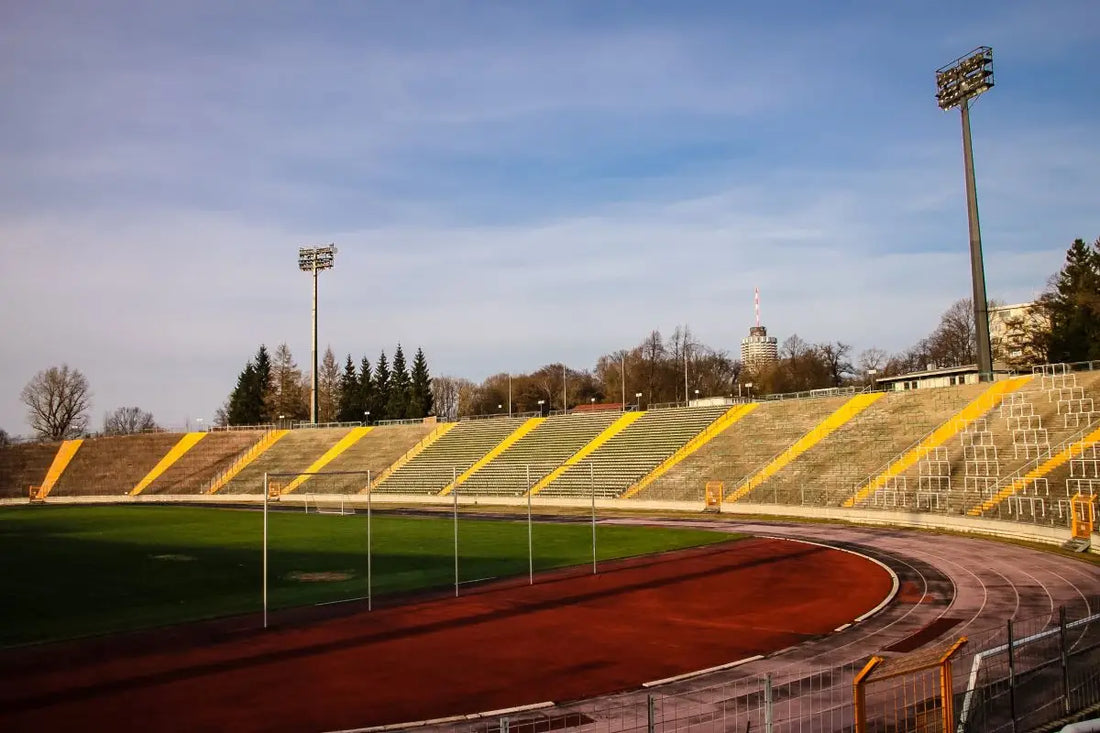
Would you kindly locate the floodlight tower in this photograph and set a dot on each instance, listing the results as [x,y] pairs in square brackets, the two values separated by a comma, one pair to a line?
[315,259]
[956,84]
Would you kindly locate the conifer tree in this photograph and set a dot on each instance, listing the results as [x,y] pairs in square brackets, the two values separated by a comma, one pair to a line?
[365,393]
[328,381]
[420,390]
[398,400]
[1072,306]
[287,393]
[381,393]
[241,410]
[348,394]
[261,389]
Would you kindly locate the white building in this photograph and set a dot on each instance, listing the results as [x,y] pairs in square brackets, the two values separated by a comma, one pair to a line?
[758,349]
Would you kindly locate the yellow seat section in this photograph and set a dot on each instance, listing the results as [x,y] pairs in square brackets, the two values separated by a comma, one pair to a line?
[733,415]
[822,430]
[1060,458]
[625,420]
[65,453]
[353,437]
[985,402]
[186,443]
[257,450]
[504,445]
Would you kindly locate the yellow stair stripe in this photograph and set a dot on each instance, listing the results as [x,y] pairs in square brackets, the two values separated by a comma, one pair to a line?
[984,402]
[625,420]
[712,431]
[1074,450]
[353,437]
[504,445]
[65,453]
[819,432]
[412,453]
[186,443]
[255,452]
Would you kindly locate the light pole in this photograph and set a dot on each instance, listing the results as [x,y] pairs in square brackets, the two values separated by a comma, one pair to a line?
[871,377]
[541,403]
[956,84]
[315,259]
[199,421]
[638,397]
[366,417]
[748,389]
[696,395]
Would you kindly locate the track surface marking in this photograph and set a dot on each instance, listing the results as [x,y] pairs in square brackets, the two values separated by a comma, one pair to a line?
[567,637]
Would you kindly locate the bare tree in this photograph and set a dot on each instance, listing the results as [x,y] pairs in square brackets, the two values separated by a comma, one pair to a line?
[872,358]
[328,381]
[289,395]
[57,401]
[835,359]
[128,420]
[5,439]
[445,396]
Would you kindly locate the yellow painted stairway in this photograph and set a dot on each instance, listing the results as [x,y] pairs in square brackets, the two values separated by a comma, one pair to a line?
[65,453]
[253,453]
[625,420]
[353,437]
[504,445]
[822,430]
[186,443]
[729,418]
[982,404]
[412,453]
[1058,459]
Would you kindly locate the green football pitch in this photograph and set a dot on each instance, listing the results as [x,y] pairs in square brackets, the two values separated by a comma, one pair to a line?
[80,570]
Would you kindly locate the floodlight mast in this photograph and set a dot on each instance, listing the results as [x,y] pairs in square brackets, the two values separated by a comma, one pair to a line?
[956,84]
[315,259]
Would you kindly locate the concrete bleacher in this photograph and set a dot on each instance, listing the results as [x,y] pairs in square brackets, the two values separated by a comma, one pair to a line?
[191,473]
[732,455]
[294,452]
[631,454]
[829,472]
[1043,434]
[112,465]
[24,465]
[433,469]
[538,453]
[374,452]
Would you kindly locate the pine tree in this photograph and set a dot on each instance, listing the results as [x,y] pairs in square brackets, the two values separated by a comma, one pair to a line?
[1073,306]
[381,393]
[365,393]
[420,391]
[398,400]
[241,410]
[347,401]
[261,390]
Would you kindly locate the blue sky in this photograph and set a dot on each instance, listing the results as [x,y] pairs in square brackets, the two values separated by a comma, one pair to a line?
[512,184]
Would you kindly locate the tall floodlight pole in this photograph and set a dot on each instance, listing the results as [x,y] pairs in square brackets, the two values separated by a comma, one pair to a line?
[315,259]
[956,84]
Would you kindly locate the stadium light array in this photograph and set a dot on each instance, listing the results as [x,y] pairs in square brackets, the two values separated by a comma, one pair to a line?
[956,84]
[315,259]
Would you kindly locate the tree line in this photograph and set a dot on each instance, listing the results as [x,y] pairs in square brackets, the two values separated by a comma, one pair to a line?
[1063,326]
[272,388]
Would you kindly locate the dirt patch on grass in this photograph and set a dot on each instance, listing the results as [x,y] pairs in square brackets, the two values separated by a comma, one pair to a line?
[321,577]
[173,558]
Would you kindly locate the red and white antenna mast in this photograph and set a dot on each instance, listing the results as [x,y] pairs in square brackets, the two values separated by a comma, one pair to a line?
[756,306]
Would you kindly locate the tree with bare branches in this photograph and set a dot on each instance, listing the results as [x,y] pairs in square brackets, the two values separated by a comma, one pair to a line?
[128,420]
[57,401]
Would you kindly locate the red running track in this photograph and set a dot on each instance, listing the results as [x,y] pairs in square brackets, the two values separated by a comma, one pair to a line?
[569,636]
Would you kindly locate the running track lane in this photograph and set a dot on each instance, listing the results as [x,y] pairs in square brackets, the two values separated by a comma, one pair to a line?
[568,637]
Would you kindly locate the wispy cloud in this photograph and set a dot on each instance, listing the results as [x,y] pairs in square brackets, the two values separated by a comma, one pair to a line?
[507,186]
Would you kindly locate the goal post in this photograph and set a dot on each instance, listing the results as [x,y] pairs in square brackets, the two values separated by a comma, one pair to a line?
[713,492]
[293,570]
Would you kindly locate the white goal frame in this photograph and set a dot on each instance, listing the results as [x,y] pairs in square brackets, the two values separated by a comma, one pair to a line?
[345,509]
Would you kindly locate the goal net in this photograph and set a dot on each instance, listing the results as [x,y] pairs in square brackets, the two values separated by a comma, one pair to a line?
[308,557]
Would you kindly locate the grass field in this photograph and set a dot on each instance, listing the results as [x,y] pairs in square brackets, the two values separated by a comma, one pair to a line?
[74,571]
